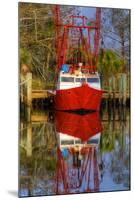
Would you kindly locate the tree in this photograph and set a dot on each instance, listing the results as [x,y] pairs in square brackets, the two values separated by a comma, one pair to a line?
[109,63]
[116,32]
[120,22]
[37,33]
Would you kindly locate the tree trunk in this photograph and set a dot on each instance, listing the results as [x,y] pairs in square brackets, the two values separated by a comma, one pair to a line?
[48,56]
[123,49]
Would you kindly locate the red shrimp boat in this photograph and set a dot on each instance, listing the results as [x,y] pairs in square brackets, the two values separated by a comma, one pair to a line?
[78,82]
[72,125]
[78,140]
[77,171]
[74,95]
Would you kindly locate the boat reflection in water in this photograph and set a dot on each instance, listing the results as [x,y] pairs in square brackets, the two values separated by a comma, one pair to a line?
[79,159]
[78,138]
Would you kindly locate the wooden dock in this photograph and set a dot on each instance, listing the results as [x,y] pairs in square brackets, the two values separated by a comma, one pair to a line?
[116,95]
[118,90]
[40,94]
[39,118]
[28,93]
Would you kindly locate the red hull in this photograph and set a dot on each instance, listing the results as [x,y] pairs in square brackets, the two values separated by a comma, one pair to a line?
[83,97]
[80,126]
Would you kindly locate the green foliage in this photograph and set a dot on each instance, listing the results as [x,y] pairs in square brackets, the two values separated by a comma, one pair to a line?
[51,164]
[25,57]
[107,144]
[37,33]
[109,63]
[116,31]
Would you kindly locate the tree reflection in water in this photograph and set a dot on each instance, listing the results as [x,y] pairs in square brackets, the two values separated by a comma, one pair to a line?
[38,156]
[115,154]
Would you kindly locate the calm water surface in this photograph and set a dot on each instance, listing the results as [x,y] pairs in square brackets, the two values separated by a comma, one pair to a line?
[64,153]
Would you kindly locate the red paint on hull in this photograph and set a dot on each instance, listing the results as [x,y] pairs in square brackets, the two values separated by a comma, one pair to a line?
[80,126]
[83,97]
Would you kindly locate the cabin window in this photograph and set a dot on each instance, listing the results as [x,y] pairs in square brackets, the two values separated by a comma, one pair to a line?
[92,80]
[67,142]
[77,79]
[67,79]
[92,141]
[80,80]
[83,79]
[77,142]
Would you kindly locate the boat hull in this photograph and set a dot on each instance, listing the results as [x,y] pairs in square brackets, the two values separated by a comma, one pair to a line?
[79,126]
[83,97]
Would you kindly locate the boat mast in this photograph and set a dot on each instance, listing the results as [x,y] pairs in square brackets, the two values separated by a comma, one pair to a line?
[75,40]
[73,176]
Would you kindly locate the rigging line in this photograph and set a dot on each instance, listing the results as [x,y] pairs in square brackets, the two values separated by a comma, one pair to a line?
[109,31]
[116,52]
[112,38]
